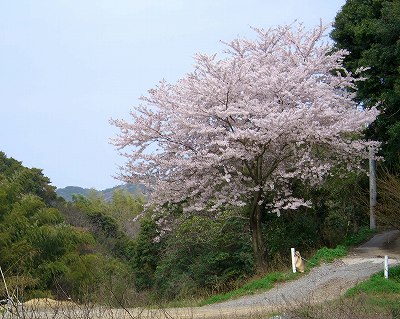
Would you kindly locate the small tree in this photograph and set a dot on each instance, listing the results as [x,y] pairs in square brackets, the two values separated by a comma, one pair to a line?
[237,130]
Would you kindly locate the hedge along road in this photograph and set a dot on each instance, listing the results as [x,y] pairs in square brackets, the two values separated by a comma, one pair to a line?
[326,282]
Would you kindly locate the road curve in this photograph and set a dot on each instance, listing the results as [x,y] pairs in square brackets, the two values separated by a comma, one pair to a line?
[326,282]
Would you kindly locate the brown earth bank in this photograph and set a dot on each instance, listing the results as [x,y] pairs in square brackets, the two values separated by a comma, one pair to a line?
[326,282]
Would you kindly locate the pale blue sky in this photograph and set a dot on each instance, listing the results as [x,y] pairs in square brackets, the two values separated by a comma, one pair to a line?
[68,66]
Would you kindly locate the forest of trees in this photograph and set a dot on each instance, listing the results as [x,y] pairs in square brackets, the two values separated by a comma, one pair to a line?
[44,254]
[370,31]
[92,249]
[129,251]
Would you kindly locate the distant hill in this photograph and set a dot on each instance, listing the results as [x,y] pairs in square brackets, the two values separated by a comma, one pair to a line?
[68,191]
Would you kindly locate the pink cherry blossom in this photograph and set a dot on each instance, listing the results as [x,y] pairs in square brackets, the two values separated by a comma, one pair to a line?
[240,127]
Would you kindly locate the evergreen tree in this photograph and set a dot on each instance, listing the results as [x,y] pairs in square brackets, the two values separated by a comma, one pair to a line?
[43,256]
[370,30]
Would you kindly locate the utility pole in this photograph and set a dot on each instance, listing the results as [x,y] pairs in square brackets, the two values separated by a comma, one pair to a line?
[372,188]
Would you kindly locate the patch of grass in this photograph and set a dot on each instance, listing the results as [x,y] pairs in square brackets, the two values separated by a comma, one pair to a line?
[324,254]
[327,255]
[360,237]
[377,284]
[252,287]
[349,307]
[380,293]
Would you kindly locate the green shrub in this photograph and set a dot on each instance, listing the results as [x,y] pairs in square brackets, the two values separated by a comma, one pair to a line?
[203,254]
[395,273]
[145,255]
[291,229]
[254,286]
[358,238]
[327,255]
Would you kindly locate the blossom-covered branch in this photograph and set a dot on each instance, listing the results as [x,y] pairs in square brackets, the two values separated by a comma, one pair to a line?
[237,129]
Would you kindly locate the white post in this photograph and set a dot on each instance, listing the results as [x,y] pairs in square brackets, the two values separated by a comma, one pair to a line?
[5,284]
[7,312]
[293,253]
[386,269]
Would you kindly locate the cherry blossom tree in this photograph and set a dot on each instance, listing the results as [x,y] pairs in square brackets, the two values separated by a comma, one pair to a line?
[239,129]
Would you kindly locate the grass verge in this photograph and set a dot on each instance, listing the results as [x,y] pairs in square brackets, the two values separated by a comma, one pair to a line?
[255,286]
[327,255]
[267,282]
[379,291]
[360,237]
[375,298]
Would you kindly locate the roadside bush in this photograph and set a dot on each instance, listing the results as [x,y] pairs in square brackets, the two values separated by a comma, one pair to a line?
[389,199]
[292,229]
[327,255]
[93,278]
[145,254]
[340,206]
[203,254]
[358,238]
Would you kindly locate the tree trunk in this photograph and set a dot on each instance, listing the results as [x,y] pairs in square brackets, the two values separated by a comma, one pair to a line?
[258,241]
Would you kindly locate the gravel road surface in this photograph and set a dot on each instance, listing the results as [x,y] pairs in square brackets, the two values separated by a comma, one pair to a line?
[325,282]
[329,281]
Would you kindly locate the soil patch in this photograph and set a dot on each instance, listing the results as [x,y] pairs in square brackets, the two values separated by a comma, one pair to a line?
[47,303]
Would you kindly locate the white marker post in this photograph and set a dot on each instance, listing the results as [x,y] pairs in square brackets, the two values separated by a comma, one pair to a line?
[5,284]
[293,259]
[386,269]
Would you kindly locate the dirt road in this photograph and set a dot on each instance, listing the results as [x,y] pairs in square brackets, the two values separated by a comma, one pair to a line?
[326,282]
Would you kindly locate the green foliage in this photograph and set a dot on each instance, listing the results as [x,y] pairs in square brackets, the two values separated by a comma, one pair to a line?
[124,208]
[327,255]
[106,223]
[111,216]
[340,206]
[389,198]
[252,287]
[203,254]
[378,284]
[87,275]
[18,180]
[51,216]
[40,254]
[96,214]
[337,210]
[146,255]
[291,229]
[370,31]
[358,238]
